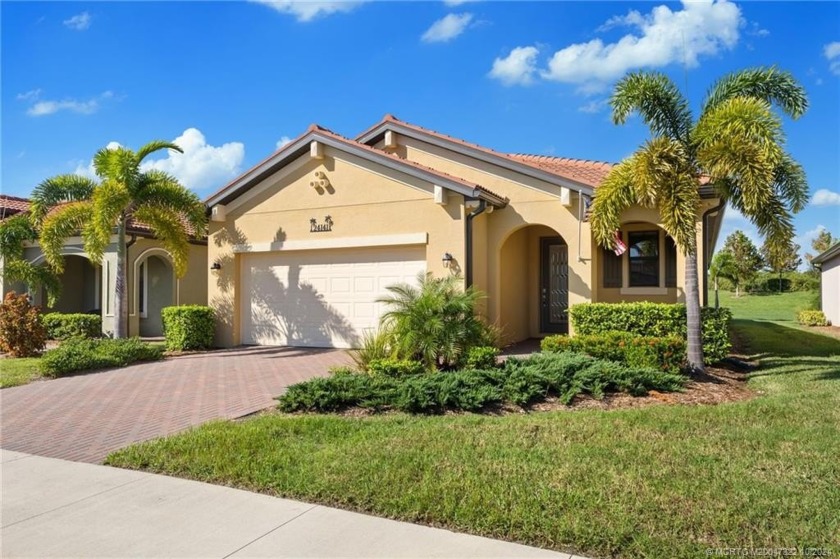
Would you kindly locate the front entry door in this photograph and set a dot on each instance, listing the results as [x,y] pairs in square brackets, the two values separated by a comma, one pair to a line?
[554,286]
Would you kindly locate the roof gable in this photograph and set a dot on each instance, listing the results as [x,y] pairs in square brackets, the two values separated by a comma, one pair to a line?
[301,145]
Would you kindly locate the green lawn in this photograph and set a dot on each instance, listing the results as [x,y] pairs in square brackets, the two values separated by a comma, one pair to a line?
[14,372]
[781,307]
[662,481]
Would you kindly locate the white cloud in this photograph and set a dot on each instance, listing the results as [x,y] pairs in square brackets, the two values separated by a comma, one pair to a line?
[662,37]
[78,22]
[447,28]
[283,141]
[832,53]
[48,107]
[455,3]
[201,166]
[307,10]
[595,106]
[29,95]
[825,197]
[518,68]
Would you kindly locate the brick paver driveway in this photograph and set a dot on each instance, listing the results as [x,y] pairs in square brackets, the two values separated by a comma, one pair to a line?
[87,416]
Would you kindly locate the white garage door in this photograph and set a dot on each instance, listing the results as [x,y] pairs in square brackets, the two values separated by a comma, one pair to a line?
[323,298]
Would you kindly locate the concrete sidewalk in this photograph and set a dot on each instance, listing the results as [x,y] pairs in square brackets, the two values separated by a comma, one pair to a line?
[56,508]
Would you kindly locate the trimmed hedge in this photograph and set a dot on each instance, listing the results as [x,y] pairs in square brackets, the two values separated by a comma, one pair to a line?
[62,326]
[812,318]
[188,327]
[521,382]
[666,354]
[80,354]
[396,368]
[659,320]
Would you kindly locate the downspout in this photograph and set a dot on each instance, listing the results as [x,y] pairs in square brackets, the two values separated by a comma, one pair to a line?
[468,234]
[707,257]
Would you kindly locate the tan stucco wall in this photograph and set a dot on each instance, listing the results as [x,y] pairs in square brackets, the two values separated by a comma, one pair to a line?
[364,200]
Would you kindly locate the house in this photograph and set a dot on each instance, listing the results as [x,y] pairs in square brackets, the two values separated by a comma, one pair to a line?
[304,243]
[829,264]
[88,287]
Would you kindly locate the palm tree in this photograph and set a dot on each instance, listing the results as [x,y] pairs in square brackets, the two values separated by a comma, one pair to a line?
[736,144]
[722,266]
[69,204]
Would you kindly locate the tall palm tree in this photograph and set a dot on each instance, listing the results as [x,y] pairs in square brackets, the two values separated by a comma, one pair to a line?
[736,144]
[71,204]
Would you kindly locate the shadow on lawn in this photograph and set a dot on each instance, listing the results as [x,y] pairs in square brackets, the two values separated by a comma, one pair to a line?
[794,350]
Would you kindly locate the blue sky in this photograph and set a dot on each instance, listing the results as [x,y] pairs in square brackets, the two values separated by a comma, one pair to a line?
[230,81]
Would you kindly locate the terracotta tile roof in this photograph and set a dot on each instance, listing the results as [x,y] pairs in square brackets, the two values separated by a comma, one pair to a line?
[589,173]
[11,205]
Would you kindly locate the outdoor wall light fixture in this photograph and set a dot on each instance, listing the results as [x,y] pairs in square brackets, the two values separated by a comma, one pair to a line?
[216,265]
[447,259]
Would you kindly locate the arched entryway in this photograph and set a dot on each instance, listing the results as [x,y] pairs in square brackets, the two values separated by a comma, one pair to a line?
[154,289]
[81,287]
[534,283]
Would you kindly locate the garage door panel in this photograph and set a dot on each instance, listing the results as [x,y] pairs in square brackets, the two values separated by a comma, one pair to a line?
[320,298]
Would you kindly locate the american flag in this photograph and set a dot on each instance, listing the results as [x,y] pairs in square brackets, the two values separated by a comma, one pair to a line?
[620,247]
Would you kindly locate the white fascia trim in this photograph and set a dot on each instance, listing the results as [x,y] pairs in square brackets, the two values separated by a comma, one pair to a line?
[71,241]
[341,242]
[480,155]
[644,290]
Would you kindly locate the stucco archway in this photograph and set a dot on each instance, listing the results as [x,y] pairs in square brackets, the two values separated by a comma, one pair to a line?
[533,283]
[155,287]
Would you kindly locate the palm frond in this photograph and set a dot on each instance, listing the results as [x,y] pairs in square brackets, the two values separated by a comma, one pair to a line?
[110,201]
[740,139]
[169,229]
[657,100]
[153,146]
[65,221]
[57,190]
[614,195]
[791,183]
[163,190]
[14,231]
[768,84]
[34,276]
[117,165]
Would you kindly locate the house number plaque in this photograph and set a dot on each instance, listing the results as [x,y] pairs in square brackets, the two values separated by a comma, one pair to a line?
[315,227]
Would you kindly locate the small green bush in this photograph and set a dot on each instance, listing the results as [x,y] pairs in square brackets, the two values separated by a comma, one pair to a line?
[666,354]
[482,357]
[62,326]
[80,354]
[188,327]
[659,320]
[522,382]
[22,333]
[376,344]
[812,318]
[396,368]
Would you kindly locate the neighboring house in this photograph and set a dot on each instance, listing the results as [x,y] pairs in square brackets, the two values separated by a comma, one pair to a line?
[303,244]
[88,287]
[829,264]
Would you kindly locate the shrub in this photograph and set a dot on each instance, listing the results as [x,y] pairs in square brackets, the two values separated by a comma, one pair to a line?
[80,354]
[521,382]
[812,318]
[376,344]
[482,357]
[61,326]
[658,320]
[434,322]
[188,327]
[396,368]
[22,334]
[665,354]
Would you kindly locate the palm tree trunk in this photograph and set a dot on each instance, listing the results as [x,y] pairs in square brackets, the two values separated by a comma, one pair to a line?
[121,302]
[717,301]
[692,307]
